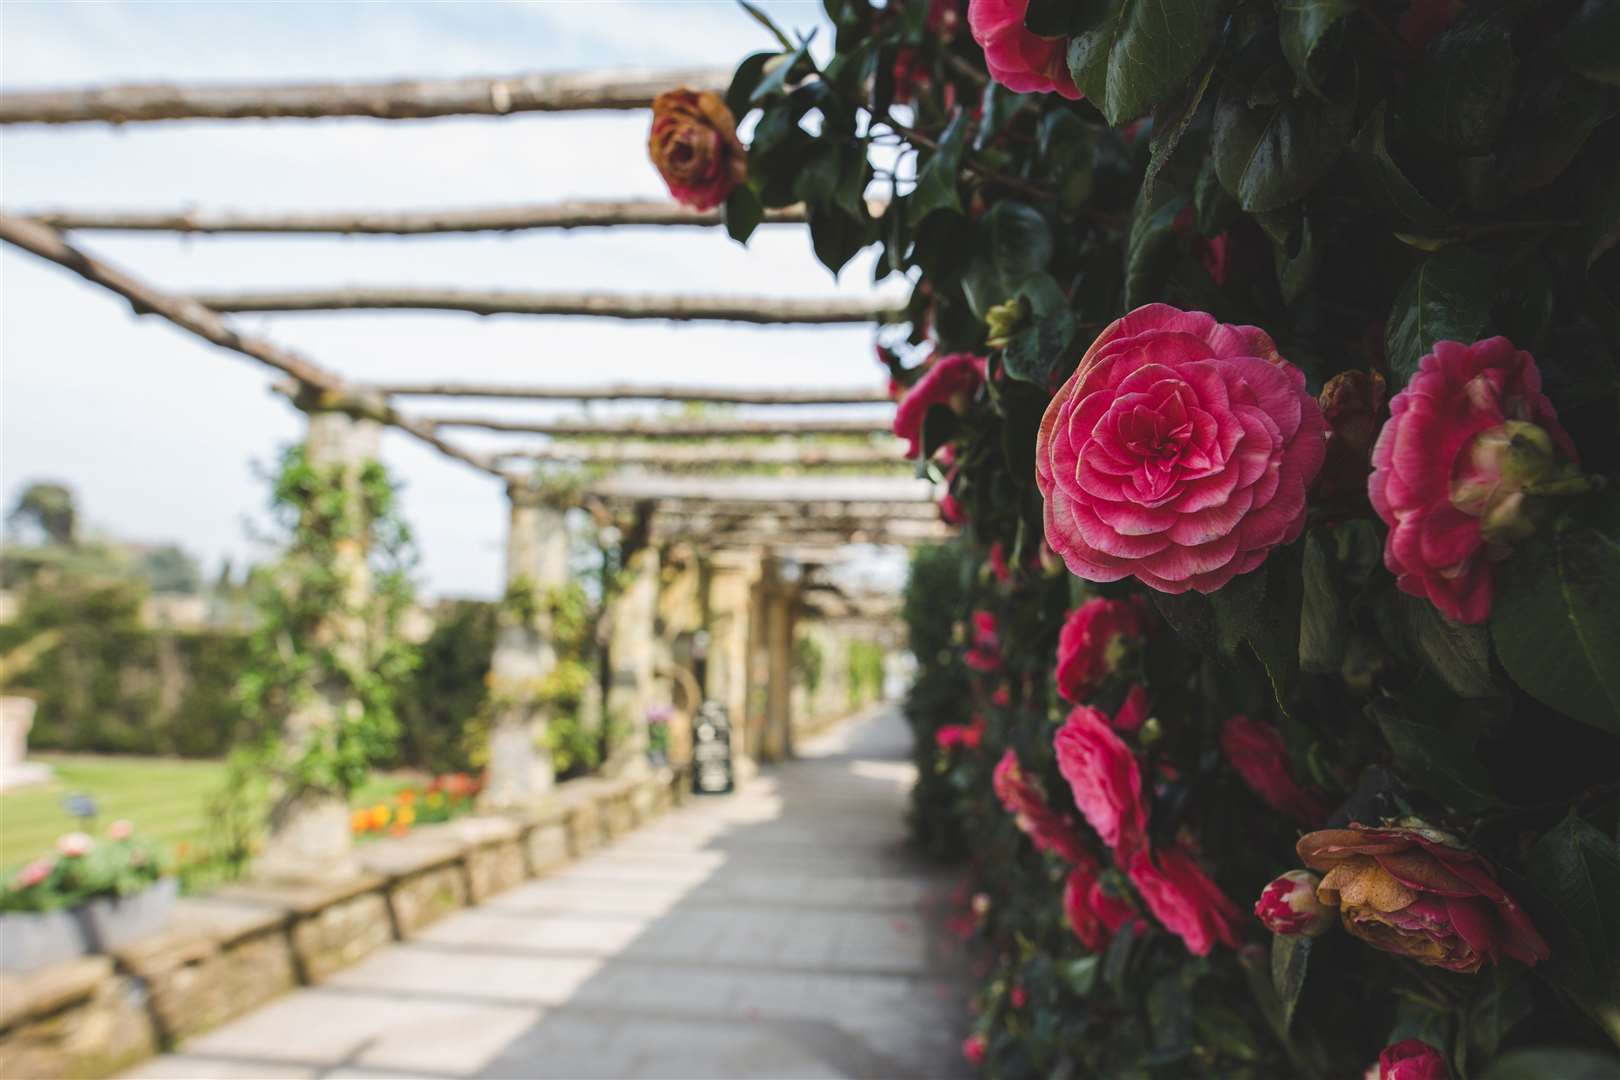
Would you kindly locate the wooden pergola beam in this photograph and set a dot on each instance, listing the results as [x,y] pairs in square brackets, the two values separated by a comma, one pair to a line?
[802,511]
[186,313]
[665,429]
[754,490]
[406,99]
[730,395]
[784,454]
[744,309]
[580,214]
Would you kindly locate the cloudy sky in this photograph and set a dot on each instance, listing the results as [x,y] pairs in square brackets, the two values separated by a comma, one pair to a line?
[158,432]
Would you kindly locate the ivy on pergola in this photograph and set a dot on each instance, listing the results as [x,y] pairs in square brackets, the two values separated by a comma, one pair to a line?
[597,448]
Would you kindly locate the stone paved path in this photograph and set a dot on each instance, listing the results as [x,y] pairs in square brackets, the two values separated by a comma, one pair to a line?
[783,931]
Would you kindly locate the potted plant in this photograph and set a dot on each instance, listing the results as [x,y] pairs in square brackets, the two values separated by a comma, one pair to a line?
[90,896]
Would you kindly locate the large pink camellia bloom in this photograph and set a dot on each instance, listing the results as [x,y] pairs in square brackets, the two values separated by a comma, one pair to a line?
[1017,59]
[1102,773]
[1178,452]
[949,381]
[1185,900]
[1450,465]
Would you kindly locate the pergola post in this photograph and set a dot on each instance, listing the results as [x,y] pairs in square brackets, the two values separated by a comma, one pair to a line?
[732,575]
[780,601]
[520,769]
[309,827]
[633,658]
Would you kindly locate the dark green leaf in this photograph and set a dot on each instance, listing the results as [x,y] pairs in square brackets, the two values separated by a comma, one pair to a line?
[1556,1063]
[1270,150]
[1296,261]
[1501,999]
[1081,974]
[1324,627]
[744,81]
[779,71]
[1171,1013]
[1051,18]
[1589,41]
[817,174]
[835,235]
[1133,54]
[1117,959]
[1014,243]
[1216,210]
[1022,408]
[765,21]
[1576,869]
[1150,250]
[1274,636]
[1438,761]
[1460,655]
[1556,623]
[1290,957]
[1239,605]
[1170,123]
[1553,117]
[1043,352]
[1462,90]
[997,106]
[1303,27]
[1387,177]
[940,426]
[742,213]
[1446,298]
[936,182]
[1068,153]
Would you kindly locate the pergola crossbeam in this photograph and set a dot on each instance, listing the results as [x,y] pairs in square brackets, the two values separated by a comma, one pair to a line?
[666,429]
[784,454]
[574,214]
[193,317]
[745,309]
[406,99]
[727,395]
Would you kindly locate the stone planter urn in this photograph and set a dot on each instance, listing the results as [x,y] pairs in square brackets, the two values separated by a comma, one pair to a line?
[16,717]
[112,922]
[36,939]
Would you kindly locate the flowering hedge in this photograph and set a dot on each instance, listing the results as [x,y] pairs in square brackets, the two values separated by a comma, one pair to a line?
[1267,352]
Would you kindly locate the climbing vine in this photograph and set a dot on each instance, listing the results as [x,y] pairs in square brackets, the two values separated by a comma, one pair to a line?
[328,628]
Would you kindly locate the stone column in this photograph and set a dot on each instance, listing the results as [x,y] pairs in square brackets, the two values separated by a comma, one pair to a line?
[632,659]
[732,575]
[781,600]
[309,828]
[520,770]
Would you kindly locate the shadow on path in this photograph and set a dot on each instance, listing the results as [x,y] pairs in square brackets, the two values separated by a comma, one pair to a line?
[784,931]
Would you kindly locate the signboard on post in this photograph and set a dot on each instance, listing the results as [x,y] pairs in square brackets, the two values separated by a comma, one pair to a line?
[712,772]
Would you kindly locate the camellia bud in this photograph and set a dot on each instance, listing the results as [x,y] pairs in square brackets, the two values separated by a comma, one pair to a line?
[1351,402]
[1002,321]
[1289,905]
[1499,467]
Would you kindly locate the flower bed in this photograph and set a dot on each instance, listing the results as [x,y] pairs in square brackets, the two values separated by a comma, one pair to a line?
[1266,356]
[442,798]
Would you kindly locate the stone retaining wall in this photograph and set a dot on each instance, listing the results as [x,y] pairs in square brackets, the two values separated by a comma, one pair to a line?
[232,950]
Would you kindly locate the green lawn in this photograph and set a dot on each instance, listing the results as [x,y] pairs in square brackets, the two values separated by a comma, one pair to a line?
[167,798]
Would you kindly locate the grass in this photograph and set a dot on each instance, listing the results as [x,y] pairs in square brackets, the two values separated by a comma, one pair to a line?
[168,799]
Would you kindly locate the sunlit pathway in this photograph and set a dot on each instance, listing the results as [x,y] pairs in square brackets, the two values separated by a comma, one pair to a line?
[784,931]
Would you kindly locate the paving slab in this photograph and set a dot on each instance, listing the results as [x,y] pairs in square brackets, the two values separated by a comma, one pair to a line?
[784,931]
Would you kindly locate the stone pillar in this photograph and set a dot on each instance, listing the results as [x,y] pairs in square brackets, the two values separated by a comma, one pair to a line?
[520,770]
[309,828]
[633,658]
[781,599]
[732,575]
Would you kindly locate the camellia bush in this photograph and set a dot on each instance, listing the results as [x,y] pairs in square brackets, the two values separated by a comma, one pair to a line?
[1267,355]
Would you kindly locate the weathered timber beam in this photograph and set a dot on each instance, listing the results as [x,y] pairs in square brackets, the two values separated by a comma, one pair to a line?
[331,390]
[806,511]
[667,429]
[731,395]
[785,454]
[407,99]
[746,309]
[764,489]
[579,214]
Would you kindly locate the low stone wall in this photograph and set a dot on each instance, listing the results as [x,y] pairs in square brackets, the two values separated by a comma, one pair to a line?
[232,950]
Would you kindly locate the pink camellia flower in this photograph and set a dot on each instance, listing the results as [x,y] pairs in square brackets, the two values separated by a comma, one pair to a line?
[75,844]
[1257,752]
[1211,250]
[985,652]
[122,829]
[1185,900]
[1102,773]
[1289,905]
[950,510]
[34,873]
[973,1048]
[1094,914]
[950,381]
[1463,440]
[1410,1059]
[1133,711]
[1025,800]
[1018,59]
[1019,997]
[695,148]
[1094,641]
[1178,452]
[998,564]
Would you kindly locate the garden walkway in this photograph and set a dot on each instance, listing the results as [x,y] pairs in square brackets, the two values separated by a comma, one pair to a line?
[783,931]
